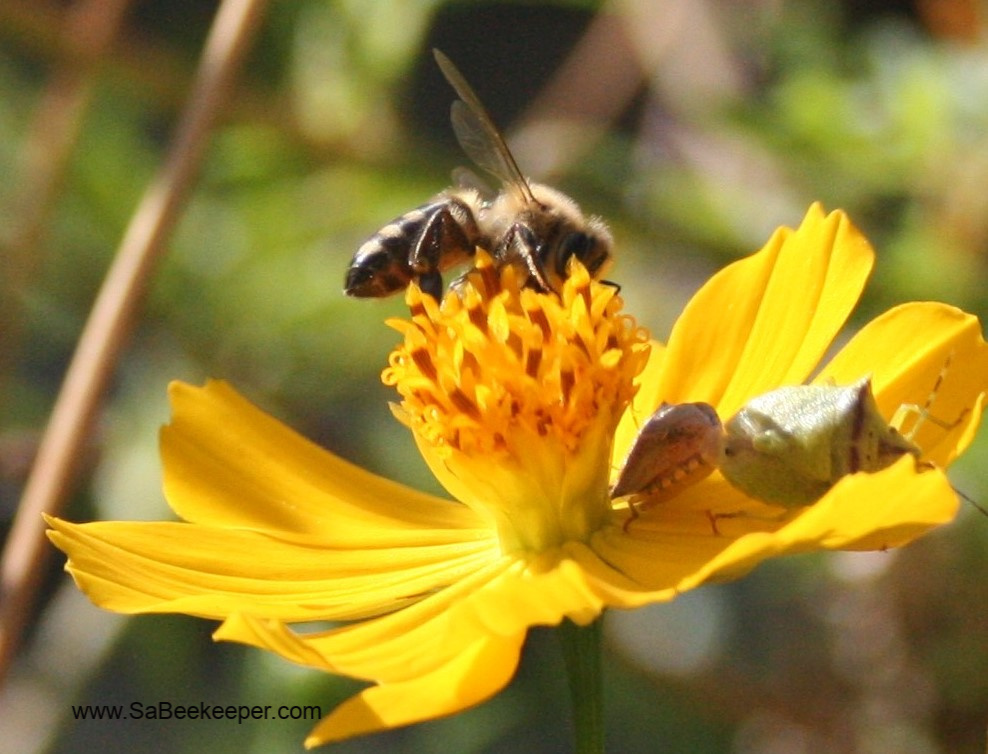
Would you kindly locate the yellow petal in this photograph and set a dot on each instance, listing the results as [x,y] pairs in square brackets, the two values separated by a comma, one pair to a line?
[429,660]
[862,512]
[907,350]
[274,636]
[676,549]
[471,676]
[503,599]
[213,572]
[643,405]
[438,656]
[229,464]
[391,648]
[766,320]
[657,556]
[467,669]
[876,511]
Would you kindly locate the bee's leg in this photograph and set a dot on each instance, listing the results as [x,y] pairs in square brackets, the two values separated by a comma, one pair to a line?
[458,286]
[432,284]
[442,242]
[520,246]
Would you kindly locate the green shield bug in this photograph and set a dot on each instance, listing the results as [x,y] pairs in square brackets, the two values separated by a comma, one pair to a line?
[787,447]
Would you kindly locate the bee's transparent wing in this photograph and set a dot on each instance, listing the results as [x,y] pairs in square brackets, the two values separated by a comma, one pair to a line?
[466,178]
[476,132]
[480,146]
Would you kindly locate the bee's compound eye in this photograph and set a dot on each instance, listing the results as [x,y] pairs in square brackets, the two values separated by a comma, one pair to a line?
[576,244]
[592,250]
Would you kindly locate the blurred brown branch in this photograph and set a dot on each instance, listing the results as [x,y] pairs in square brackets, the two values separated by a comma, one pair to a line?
[86,33]
[146,68]
[112,317]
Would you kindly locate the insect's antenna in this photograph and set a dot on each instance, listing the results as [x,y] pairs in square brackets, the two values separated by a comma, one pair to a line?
[970,501]
[929,466]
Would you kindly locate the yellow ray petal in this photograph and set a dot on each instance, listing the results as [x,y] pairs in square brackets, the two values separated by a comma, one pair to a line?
[473,675]
[907,350]
[503,599]
[862,512]
[643,405]
[476,668]
[572,582]
[446,653]
[766,320]
[551,586]
[213,572]
[610,584]
[229,464]
[657,558]
[274,636]
[676,548]
[391,648]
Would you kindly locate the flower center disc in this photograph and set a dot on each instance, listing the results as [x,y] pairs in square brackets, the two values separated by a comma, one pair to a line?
[517,393]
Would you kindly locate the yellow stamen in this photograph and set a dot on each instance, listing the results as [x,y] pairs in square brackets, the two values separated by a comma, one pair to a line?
[522,390]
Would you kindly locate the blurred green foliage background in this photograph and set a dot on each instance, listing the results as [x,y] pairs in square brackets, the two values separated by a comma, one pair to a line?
[695,128]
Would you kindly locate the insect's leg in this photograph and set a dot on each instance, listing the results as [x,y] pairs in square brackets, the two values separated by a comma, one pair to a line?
[970,501]
[442,242]
[713,518]
[520,246]
[633,515]
[922,413]
[432,283]
[484,278]
[458,286]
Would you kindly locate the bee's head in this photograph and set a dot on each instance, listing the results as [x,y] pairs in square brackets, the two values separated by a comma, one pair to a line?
[589,244]
[561,233]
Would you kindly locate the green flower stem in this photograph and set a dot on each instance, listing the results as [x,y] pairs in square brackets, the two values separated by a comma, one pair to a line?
[581,651]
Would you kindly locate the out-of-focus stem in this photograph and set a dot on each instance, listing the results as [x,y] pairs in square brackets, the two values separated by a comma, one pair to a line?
[110,322]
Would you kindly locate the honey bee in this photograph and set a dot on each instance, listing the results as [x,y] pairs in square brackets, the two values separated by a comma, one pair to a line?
[529,225]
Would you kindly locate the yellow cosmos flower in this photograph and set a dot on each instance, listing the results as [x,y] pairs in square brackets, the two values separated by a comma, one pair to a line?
[519,403]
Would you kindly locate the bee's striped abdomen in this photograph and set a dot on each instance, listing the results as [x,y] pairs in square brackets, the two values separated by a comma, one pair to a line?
[419,244]
[381,266]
